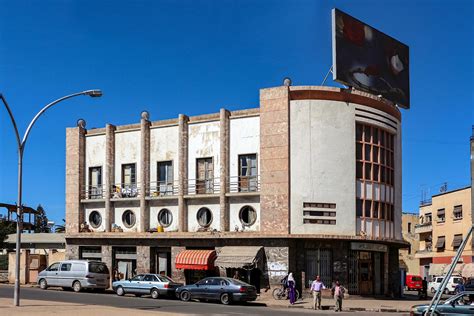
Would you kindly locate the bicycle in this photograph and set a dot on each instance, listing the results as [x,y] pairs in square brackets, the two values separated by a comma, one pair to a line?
[281,293]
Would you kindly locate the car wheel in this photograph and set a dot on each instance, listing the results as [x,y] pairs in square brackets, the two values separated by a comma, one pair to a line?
[433,290]
[185,296]
[446,291]
[120,291]
[43,284]
[76,286]
[155,293]
[225,298]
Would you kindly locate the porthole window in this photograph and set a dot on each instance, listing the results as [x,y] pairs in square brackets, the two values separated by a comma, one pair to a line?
[247,215]
[204,217]
[128,218]
[95,219]
[165,217]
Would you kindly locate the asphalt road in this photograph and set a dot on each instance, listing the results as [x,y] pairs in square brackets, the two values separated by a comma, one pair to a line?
[162,305]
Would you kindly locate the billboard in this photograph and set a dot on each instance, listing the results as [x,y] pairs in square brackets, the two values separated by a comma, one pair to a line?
[369,60]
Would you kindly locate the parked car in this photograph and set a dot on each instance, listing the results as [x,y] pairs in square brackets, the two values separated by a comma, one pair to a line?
[75,274]
[413,282]
[225,290]
[435,284]
[459,304]
[155,285]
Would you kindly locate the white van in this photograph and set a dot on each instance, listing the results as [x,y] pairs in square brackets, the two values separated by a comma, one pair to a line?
[75,274]
[434,285]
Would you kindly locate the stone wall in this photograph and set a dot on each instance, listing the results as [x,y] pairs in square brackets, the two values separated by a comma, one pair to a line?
[72,252]
[143,259]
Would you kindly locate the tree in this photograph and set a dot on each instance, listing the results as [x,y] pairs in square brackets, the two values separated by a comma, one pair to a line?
[6,228]
[41,221]
[60,228]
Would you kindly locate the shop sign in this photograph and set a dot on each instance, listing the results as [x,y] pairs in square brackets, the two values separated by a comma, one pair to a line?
[365,246]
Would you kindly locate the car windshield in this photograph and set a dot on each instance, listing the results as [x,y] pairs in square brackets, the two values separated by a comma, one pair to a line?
[97,267]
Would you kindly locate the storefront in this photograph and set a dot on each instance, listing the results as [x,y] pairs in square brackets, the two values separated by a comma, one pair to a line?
[367,268]
[124,260]
[197,264]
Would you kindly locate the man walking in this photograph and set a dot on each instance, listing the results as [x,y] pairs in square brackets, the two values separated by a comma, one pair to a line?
[338,292]
[316,288]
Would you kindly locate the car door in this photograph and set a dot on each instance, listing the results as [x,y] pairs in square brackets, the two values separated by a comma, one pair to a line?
[64,276]
[133,286]
[52,275]
[216,288]
[199,290]
[147,284]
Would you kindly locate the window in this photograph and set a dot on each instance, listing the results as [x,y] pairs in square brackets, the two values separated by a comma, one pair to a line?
[248,173]
[359,208]
[247,215]
[319,213]
[150,278]
[165,217]
[409,249]
[66,267]
[457,212]
[95,182]
[128,218]
[138,277]
[98,267]
[54,267]
[409,227]
[457,241]
[129,175]
[440,243]
[204,175]
[95,219]
[318,205]
[204,217]
[441,215]
[165,177]
[319,221]
[428,218]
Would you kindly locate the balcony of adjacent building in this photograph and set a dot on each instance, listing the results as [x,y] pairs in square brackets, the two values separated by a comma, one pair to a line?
[192,188]
[424,228]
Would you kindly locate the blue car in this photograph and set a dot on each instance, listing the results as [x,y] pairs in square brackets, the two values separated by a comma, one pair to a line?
[155,285]
[459,304]
[225,290]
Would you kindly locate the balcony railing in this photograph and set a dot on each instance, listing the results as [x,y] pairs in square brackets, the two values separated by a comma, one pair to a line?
[156,189]
[423,228]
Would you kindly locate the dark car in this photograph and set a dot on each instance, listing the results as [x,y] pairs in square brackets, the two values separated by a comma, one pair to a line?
[460,304]
[155,285]
[225,290]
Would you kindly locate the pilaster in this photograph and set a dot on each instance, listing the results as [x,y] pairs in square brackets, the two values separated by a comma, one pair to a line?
[109,174]
[144,172]
[183,172]
[224,168]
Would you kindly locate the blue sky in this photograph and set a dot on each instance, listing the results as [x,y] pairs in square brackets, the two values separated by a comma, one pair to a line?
[194,57]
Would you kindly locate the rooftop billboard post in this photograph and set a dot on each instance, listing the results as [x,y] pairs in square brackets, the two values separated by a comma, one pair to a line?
[369,60]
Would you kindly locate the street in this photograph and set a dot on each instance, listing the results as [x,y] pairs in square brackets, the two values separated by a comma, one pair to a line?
[160,305]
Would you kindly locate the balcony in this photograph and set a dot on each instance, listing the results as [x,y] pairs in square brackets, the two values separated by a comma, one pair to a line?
[423,228]
[163,189]
[244,184]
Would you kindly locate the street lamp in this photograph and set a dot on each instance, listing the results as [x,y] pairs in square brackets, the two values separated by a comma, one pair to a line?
[21,147]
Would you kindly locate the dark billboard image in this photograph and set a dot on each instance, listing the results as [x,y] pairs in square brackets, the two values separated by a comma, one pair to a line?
[369,60]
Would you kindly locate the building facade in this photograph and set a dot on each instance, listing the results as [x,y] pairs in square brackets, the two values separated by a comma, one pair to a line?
[408,263]
[309,182]
[443,223]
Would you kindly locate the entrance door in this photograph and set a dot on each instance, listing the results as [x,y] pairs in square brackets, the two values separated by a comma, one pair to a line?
[204,175]
[378,275]
[365,273]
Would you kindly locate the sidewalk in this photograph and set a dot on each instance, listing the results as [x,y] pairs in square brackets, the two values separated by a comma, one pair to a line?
[352,303]
[46,308]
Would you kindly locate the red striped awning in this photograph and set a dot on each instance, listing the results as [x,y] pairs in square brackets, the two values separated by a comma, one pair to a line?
[196,259]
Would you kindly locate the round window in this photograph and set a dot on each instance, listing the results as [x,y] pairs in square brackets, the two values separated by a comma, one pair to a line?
[204,217]
[165,217]
[95,219]
[247,215]
[128,218]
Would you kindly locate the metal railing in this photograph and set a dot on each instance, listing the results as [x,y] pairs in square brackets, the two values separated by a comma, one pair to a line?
[93,192]
[202,186]
[163,188]
[125,190]
[244,184]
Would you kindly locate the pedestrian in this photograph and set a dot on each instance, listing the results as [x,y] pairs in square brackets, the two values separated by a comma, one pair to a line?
[424,289]
[459,287]
[338,292]
[316,288]
[291,286]
[236,275]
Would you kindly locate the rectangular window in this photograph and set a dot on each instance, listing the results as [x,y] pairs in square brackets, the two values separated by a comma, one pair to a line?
[95,182]
[204,175]
[428,218]
[368,171]
[376,210]
[359,151]
[165,177]
[248,181]
[359,208]
[440,243]
[359,167]
[319,213]
[319,221]
[457,212]
[359,132]
[409,227]
[368,205]
[129,175]
[441,215]
[457,241]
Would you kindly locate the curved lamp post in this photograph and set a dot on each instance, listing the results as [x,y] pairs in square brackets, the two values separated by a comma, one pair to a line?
[21,147]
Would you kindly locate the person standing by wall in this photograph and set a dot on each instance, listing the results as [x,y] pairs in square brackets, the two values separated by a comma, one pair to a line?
[338,292]
[291,286]
[316,287]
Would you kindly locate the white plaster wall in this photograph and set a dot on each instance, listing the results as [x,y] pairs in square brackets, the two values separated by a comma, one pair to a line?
[235,204]
[203,142]
[244,139]
[322,162]
[195,205]
[95,154]
[88,209]
[156,208]
[118,217]
[164,146]
[127,150]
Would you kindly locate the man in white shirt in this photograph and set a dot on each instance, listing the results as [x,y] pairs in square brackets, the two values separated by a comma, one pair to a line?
[316,287]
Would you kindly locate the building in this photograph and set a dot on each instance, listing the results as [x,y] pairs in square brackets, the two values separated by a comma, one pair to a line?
[444,221]
[309,182]
[408,263]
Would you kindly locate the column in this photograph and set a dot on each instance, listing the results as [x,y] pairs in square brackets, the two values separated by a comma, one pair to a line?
[224,168]
[107,259]
[144,172]
[183,172]
[75,176]
[177,275]
[143,259]
[109,175]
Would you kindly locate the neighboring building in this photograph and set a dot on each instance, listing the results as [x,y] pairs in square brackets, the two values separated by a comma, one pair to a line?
[408,263]
[444,221]
[310,182]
